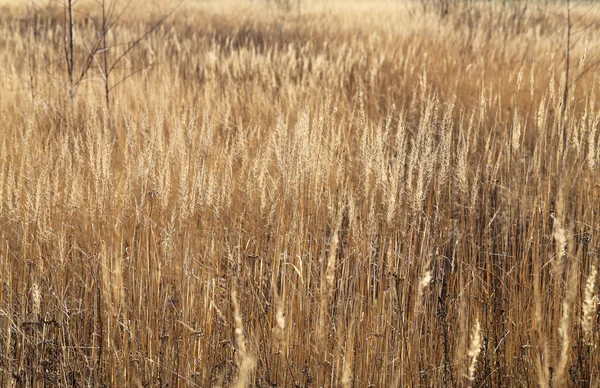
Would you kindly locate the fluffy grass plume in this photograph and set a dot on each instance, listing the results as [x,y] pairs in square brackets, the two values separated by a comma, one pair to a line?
[299,193]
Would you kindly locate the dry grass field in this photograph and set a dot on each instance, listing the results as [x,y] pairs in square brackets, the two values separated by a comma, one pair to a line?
[318,194]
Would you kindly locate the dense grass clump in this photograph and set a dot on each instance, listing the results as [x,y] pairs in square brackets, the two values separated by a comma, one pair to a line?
[354,194]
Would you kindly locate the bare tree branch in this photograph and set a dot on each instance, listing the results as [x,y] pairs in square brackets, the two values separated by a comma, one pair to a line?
[145,35]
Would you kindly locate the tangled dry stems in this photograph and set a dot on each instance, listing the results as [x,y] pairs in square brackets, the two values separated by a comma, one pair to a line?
[327,195]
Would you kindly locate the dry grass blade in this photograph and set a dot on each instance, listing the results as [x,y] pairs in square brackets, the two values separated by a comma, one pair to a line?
[298,194]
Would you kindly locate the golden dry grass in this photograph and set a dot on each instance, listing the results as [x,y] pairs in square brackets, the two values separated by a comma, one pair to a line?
[353,194]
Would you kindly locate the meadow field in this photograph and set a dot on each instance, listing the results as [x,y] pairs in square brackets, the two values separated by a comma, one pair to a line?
[299,193]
